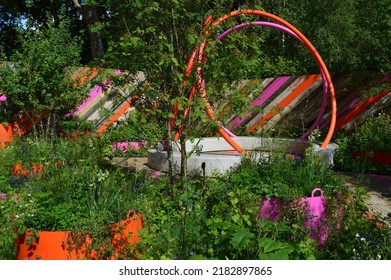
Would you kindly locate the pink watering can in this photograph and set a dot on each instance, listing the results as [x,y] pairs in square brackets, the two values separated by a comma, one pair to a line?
[315,207]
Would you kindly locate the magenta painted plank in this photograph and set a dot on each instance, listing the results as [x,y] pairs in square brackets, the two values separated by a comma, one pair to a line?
[265,95]
[341,112]
[276,84]
[385,78]
[94,93]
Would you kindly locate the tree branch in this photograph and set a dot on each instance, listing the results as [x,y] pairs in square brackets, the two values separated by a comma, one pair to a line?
[77,4]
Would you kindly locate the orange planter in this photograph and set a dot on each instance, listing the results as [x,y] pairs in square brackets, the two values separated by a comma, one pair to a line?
[59,245]
[6,133]
[50,245]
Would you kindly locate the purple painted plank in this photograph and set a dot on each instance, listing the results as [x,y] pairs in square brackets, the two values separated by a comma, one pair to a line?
[385,78]
[341,112]
[381,178]
[276,84]
[265,95]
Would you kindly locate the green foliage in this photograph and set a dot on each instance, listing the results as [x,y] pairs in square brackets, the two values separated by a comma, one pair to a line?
[360,235]
[76,189]
[137,127]
[279,175]
[356,151]
[74,125]
[217,218]
[361,43]
[373,134]
[38,79]
[200,218]
[365,26]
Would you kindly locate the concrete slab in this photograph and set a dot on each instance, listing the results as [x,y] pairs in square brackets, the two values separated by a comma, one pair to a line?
[213,155]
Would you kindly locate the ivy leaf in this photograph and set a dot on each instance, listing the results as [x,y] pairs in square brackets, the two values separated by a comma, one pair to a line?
[241,238]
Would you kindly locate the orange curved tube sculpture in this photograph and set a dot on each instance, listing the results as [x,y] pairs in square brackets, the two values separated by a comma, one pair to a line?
[200,55]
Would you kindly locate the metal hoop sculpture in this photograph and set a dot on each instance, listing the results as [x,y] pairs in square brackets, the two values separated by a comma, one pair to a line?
[288,31]
[199,55]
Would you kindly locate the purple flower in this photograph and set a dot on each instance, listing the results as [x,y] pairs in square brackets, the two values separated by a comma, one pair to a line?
[3,196]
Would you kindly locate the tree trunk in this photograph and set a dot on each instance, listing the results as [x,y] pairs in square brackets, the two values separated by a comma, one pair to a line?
[183,158]
[91,17]
[170,156]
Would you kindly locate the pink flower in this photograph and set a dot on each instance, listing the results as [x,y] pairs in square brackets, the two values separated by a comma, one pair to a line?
[2,98]
[3,196]
[156,174]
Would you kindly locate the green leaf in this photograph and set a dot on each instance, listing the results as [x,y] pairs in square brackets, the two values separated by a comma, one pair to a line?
[270,245]
[241,238]
[198,257]
[274,256]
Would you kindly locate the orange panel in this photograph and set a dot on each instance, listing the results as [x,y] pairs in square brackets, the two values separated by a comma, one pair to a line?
[359,109]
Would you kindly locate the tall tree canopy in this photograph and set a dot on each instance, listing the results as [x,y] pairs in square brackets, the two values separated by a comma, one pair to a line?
[351,35]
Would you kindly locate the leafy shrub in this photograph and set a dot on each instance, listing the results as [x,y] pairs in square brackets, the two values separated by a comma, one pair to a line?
[38,81]
[218,218]
[371,136]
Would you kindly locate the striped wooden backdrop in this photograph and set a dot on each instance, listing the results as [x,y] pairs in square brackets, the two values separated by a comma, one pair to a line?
[94,108]
[297,100]
[293,101]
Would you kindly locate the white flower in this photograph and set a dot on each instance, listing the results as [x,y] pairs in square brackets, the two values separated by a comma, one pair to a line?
[362,239]
[379,257]
[357,235]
